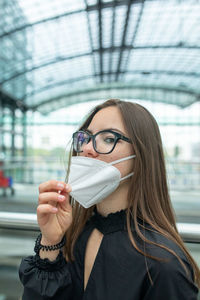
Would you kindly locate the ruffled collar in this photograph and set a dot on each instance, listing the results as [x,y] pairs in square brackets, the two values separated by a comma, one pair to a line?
[111,223]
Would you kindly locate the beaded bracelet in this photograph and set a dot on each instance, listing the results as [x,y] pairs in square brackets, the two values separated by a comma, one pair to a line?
[39,246]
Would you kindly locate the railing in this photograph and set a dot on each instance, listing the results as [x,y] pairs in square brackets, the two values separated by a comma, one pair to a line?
[18,221]
[190,233]
[34,170]
[182,175]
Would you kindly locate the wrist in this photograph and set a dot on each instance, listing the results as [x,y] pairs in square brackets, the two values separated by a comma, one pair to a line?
[46,242]
[43,244]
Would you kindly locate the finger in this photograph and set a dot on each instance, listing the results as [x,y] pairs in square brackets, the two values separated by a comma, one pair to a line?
[52,185]
[65,204]
[51,196]
[46,209]
[68,188]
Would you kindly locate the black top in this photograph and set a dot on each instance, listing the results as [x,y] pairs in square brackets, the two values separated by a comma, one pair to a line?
[119,271]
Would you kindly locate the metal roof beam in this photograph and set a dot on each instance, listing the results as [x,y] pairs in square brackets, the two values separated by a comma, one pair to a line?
[90,37]
[113,3]
[88,9]
[68,82]
[54,61]
[24,27]
[123,40]
[12,102]
[112,38]
[109,49]
[135,32]
[151,93]
[99,6]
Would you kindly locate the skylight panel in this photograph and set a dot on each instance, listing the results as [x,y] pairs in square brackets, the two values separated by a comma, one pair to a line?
[120,15]
[159,24]
[37,10]
[142,59]
[64,70]
[62,50]
[93,19]
[133,19]
[124,59]
[107,27]
[91,2]
[115,59]
[106,60]
[62,39]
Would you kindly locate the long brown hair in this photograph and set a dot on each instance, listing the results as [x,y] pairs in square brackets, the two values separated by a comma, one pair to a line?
[148,193]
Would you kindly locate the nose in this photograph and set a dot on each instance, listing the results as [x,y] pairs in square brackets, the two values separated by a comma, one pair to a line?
[89,151]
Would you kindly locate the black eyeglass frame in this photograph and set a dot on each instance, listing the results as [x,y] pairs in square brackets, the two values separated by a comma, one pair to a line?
[92,137]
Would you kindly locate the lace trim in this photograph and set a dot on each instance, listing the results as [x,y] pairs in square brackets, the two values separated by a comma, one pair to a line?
[110,223]
[118,214]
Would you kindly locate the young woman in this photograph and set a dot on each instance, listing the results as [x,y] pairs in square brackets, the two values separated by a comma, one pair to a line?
[115,212]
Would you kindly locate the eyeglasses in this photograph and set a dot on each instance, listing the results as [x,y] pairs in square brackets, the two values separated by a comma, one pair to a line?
[103,141]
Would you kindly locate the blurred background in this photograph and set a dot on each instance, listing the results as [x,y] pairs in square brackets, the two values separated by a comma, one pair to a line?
[58,59]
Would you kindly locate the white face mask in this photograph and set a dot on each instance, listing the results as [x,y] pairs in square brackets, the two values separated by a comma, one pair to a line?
[92,180]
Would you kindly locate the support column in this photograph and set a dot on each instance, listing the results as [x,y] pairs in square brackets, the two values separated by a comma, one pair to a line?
[2,139]
[24,151]
[13,148]
[1,128]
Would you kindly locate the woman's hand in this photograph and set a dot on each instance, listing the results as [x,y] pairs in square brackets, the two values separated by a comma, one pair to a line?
[54,212]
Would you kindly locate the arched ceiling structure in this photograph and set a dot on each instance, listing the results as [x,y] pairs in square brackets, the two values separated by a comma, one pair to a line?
[57,53]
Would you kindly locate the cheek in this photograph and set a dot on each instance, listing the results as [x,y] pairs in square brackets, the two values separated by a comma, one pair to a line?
[125,167]
[109,157]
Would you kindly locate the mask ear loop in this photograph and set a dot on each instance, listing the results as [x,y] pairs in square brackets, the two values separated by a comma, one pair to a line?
[121,159]
[127,176]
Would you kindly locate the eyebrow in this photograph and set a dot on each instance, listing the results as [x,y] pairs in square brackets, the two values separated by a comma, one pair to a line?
[114,129]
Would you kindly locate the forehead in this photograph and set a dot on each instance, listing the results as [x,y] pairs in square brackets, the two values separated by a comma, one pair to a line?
[109,117]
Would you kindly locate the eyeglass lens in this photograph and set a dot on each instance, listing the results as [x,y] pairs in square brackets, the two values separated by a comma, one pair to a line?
[104,141]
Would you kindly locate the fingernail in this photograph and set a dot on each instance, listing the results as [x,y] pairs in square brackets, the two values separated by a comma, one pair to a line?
[60,185]
[67,186]
[61,197]
[54,209]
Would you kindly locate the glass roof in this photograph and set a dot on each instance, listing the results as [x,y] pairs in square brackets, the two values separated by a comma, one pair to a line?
[57,53]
